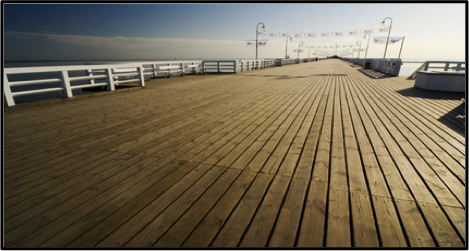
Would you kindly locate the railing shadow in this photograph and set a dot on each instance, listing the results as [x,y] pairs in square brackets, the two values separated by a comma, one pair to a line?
[456,119]
[373,74]
[428,94]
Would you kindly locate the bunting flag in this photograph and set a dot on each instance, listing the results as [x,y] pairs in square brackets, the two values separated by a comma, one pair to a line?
[261,33]
[284,35]
[357,49]
[385,29]
[253,42]
[299,34]
[355,32]
[368,31]
[340,33]
[311,34]
[296,50]
[332,46]
[273,34]
[324,34]
[382,40]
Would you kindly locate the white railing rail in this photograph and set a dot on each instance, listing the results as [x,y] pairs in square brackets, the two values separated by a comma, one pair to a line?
[109,75]
[445,65]
[69,78]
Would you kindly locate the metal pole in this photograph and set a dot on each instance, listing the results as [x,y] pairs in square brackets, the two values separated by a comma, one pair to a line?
[389,32]
[400,50]
[367,44]
[257,33]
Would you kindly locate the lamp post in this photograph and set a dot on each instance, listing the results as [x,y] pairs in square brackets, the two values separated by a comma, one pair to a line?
[383,24]
[367,43]
[257,33]
[299,44]
[286,47]
[360,48]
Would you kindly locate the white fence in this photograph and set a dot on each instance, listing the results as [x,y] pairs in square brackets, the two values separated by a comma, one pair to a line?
[66,81]
[233,66]
[445,65]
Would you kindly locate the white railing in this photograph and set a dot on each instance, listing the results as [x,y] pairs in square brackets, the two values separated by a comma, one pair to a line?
[445,65]
[234,66]
[66,79]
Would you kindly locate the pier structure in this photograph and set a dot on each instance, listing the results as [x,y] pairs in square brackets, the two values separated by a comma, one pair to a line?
[320,154]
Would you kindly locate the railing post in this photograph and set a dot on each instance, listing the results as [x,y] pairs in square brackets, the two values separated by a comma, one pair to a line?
[426,66]
[142,79]
[110,80]
[154,70]
[182,68]
[7,91]
[89,72]
[66,84]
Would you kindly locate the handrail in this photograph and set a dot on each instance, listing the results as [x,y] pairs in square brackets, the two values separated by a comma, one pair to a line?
[447,65]
[111,74]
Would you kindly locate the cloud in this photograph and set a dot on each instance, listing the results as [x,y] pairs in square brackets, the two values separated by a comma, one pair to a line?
[142,47]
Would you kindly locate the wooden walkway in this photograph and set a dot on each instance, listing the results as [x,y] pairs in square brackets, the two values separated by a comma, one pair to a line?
[318,154]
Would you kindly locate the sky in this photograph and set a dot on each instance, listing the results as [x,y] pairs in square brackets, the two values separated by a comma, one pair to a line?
[87,31]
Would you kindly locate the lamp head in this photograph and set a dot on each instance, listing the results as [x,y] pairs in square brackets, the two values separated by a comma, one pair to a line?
[291,39]
[382,24]
[263,28]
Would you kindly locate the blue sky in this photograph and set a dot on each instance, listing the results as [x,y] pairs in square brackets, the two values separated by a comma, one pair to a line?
[184,31]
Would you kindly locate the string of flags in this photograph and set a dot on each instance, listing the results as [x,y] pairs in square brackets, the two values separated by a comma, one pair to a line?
[321,34]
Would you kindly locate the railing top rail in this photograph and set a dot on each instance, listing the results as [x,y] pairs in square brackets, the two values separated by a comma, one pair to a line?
[85,67]
[445,62]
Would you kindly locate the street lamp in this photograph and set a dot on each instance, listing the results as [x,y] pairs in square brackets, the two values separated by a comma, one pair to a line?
[360,48]
[286,47]
[383,24]
[299,44]
[257,33]
[367,43]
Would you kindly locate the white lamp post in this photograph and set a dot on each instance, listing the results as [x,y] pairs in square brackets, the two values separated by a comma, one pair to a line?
[286,47]
[360,48]
[299,44]
[367,43]
[383,24]
[257,33]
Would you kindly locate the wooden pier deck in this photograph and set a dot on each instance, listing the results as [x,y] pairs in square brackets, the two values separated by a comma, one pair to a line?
[320,154]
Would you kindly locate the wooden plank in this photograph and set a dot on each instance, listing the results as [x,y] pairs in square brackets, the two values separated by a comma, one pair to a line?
[289,218]
[208,228]
[312,230]
[181,229]
[232,232]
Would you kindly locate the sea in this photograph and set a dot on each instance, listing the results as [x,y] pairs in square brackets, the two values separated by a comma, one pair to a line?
[407,68]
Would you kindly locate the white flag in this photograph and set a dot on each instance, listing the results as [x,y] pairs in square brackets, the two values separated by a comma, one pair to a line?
[311,34]
[382,40]
[273,34]
[299,34]
[368,31]
[355,32]
[339,33]
[324,34]
[253,42]
[393,40]
[385,29]
[261,43]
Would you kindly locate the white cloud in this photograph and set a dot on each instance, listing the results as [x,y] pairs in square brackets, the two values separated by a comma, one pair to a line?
[141,46]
